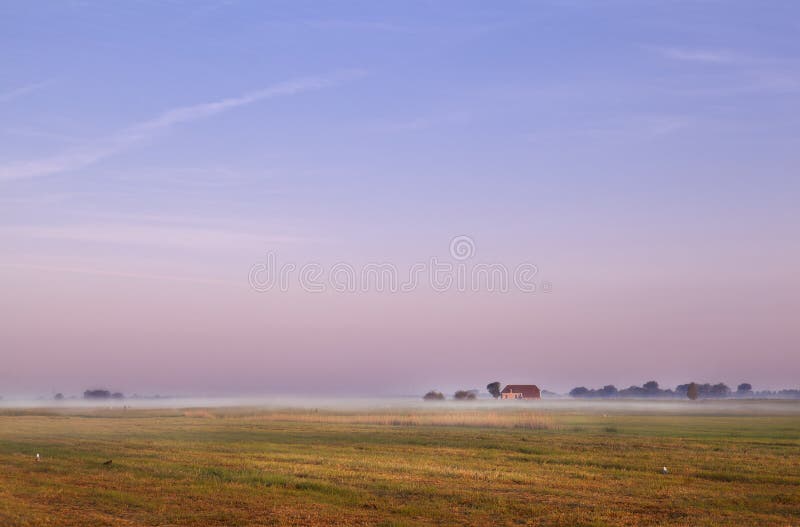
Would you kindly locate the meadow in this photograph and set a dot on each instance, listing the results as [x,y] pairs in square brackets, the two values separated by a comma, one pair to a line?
[449,464]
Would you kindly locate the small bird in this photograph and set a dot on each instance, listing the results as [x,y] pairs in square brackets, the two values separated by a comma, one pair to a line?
[664,470]
[38,458]
[107,462]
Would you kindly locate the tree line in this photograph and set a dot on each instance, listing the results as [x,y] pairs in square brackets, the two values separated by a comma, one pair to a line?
[690,390]
[460,395]
[464,395]
[102,394]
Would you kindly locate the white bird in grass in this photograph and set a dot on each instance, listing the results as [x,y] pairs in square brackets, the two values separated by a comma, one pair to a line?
[37,456]
[664,470]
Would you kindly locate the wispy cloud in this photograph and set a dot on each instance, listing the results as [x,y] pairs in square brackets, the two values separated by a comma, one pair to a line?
[617,129]
[32,133]
[417,28]
[37,199]
[150,235]
[123,274]
[127,138]
[371,25]
[697,55]
[22,90]
[424,122]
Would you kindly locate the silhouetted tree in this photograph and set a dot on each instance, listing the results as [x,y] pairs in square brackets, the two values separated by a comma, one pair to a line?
[465,395]
[58,396]
[96,394]
[433,395]
[609,390]
[633,391]
[651,387]
[692,391]
[744,389]
[494,389]
[720,390]
[580,391]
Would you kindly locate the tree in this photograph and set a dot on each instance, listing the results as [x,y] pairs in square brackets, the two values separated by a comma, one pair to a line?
[494,389]
[651,387]
[633,391]
[433,395]
[580,391]
[464,395]
[720,390]
[58,396]
[744,389]
[609,390]
[692,392]
[96,394]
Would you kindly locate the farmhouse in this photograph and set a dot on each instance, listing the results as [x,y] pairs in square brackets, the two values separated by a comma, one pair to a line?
[521,391]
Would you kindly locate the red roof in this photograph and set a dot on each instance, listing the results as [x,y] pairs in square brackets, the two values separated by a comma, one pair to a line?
[528,391]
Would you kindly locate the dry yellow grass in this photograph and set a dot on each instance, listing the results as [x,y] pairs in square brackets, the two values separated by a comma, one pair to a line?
[427,467]
[511,418]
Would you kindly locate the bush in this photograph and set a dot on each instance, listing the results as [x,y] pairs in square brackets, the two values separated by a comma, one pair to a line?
[433,395]
[96,394]
[465,395]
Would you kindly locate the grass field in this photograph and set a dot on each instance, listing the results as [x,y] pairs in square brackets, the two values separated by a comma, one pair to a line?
[446,465]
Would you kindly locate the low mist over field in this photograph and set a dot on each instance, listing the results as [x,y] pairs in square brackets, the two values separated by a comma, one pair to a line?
[414,406]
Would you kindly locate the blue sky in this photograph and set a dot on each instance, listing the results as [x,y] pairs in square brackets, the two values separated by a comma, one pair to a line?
[642,154]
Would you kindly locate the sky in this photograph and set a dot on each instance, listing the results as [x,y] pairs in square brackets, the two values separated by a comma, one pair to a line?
[630,165]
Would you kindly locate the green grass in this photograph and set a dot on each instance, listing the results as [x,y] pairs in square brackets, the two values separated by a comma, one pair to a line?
[433,467]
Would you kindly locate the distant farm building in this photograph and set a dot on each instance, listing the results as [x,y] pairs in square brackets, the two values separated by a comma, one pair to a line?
[521,391]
